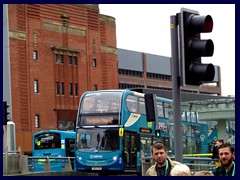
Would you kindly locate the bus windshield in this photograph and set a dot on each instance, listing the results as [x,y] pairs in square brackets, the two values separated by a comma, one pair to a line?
[101,102]
[98,139]
[47,141]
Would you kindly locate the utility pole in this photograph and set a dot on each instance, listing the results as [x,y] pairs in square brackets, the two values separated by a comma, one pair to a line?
[176,90]
[9,139]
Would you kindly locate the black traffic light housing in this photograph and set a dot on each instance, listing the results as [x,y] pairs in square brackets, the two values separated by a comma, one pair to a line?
[192,48]
[151,107]
[5,113]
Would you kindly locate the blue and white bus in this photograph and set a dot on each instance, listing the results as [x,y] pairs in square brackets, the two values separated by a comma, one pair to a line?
[53,143]
[112,131]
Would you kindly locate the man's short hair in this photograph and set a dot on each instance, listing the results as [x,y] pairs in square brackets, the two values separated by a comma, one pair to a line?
[227,145]
[158,145]
[220,140]
[203,173]
[180,170]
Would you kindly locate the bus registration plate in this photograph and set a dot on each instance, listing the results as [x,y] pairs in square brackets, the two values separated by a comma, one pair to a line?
[41,161]
[97,168]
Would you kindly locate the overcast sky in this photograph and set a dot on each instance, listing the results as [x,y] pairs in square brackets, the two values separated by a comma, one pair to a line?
[146,28]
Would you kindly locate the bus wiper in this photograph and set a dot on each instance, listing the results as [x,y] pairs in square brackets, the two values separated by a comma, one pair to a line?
[106,126]
[87,127]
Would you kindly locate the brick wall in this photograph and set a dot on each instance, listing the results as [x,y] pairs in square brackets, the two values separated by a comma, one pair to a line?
[47,29]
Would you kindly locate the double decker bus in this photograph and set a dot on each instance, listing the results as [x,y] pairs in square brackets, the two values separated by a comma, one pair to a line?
[113,131]
[53,143]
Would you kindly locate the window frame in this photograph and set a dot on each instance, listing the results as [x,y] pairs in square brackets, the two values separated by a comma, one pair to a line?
[71,89]
[35,55]
[36,120]
[35,86]
[94,62]
[75,89]
[74,60]
[62,88]
[57,88]
[70,60]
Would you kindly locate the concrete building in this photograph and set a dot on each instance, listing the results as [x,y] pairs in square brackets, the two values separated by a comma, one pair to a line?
[57,52]
[143,70]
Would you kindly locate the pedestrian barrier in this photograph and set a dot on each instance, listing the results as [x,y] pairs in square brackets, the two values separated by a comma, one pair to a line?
[16,164]
[11,161]
[147,162]
[47,166]
[68,166]
[194,163]
[23,164]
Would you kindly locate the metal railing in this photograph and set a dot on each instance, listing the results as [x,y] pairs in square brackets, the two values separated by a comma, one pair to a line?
[11,163]
[195,163]
[14,163]
[47,162]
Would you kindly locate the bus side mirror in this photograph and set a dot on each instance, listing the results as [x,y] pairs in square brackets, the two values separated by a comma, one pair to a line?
[151,107]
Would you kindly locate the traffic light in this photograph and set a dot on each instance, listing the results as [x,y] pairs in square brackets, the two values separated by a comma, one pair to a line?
[151,108]
[5,113]
[194,72]
[157,133]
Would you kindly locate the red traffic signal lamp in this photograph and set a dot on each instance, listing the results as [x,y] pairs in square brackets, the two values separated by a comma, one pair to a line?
[193,71]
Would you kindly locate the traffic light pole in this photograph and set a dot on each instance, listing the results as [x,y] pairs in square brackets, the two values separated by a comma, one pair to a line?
[9,137]
[176,90]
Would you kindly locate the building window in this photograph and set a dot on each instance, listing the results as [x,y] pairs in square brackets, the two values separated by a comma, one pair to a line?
[130,73]
[62,88]
[160,88]
[69,59]
[36,86]
[74,60]
[70,89]
[35,55]
[58,58]
[159,76]
[95,87]
[61,59]
[65,125]
[36,121]
[94,63]
[57,88]
[129,86]
[75,90]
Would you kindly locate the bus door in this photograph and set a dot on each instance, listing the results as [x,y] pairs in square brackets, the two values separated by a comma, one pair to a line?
[130,150]
[70,151]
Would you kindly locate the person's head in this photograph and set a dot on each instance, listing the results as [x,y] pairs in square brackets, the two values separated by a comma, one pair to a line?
[219,142]
[180,170]
[159,153]
[203,173]
[226,154]
[213,141]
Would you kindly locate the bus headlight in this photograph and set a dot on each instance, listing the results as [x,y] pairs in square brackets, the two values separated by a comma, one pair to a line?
[79,158]
[115,158]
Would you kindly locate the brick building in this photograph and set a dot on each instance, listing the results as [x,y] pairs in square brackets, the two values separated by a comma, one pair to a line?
[57,52]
